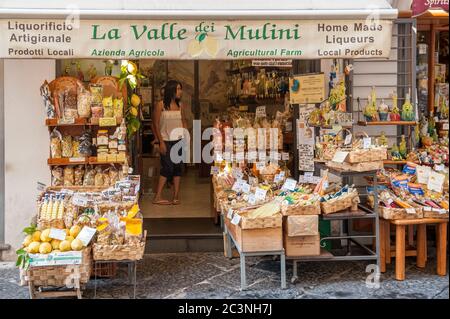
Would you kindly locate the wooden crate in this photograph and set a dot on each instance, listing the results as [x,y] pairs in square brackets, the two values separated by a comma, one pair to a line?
[367,155]
[288,210]
[358,167]
[400,213]
[258,240]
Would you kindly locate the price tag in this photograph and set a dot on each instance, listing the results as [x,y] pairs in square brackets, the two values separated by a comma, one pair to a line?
[214,170]
[262,156]
[275,156]
[410,211]
[69,120]
[79,201]
[252,156]
[76,159]
[41,186]
[285,156]
[260,165]
[236,219]
[227,156]
[423,174]
[245,187]
[236,173]
[237,186]
[348,139]
[308,177]
[445,126]
[219,157]
[230,213]
[243,108]
[279,177]
[439,168]
[436,182]
[86,235]
[340,156]
[367,141]
[251,199]
[427,209]
[59,234]
[261,111]
[260,194]
[290,184]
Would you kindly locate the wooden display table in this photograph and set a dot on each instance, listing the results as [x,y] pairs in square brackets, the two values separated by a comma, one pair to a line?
[420,252]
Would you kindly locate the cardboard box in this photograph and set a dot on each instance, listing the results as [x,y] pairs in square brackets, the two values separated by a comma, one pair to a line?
[301,245]
[302,225]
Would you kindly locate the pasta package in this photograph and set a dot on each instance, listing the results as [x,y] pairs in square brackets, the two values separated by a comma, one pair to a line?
[79,174]
[55,144]
[69,177]
[57,176]
[89,177]
[67,150]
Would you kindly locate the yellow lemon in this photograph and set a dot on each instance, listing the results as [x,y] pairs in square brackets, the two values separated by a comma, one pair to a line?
[135,100]
[55,243]
[194,48]
[45,248]
[33,248]
[69,238]
[27,240]
[134,111]
[45,236]
[76,244]
[64,245]
[211,46]
[67,232]
[36,235]
[74,231]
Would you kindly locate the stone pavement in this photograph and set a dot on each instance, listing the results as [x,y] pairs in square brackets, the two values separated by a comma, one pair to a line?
[211,275]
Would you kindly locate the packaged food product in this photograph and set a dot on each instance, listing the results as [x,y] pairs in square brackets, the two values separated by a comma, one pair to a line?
[108,108]
[70,104]
[118,107]
[84,102]
[106,178]
[97,111]
[75,147]
[113,175]
[69,178]
[55,144]
[89,177]
[102,137]
[67,146]
[97,94]
[57,176]
[85,146]
[79,175]
[99,178]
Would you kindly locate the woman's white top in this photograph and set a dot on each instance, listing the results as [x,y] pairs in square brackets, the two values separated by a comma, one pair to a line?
[171,125]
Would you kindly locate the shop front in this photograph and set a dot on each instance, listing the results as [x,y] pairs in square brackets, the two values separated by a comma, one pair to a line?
[277,85]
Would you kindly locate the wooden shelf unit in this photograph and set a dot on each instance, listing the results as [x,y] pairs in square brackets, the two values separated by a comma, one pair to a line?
[407,123]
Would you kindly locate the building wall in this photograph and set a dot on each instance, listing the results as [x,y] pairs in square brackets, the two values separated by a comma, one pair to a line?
[26,144]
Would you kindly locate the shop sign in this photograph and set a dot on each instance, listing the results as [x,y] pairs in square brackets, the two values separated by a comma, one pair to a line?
[306,89]
[187,39]
[420,6]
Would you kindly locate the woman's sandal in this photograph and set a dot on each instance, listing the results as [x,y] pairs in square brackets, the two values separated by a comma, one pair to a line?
[176,202]
[161,202]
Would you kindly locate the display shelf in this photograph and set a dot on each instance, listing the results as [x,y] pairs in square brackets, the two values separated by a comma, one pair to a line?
[330,127]
[392,162]
[359,214]
[407,123]
[67,161]
[78,161]
[78,122]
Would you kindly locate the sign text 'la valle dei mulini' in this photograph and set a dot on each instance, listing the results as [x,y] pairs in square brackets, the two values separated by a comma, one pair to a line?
[302,39]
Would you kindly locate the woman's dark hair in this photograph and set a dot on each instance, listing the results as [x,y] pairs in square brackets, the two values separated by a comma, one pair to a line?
[170,93]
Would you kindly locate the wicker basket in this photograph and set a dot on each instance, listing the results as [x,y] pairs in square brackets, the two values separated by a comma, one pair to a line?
[400,213]
[297,209]
[268,178]
[54,223]
[120,252]
[358,167]
[59,276]
[349,201]
[258,223]
[367,155]
[434,214]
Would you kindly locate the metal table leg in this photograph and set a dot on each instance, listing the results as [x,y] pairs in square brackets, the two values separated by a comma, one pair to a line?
[283,270]
[243,277]
[229,243]
[95,280]
[135,279]
[294,272]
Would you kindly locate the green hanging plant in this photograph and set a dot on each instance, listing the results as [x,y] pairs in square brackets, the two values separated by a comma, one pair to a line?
[129,75]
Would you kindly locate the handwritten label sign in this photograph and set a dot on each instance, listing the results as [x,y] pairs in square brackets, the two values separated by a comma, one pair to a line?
[260,111]
[260,165]
[306,157]
[214,170]
[340,156]
[41,186]
[423,174]
[237,186]
[230,213]
[260,194]
[410,211]
[279,177]
[285,156]
[367,141]
[348,139]
[236,219]
[252,156]
[59,234]
[262,156]
[86,235]
[245,187]
[236,173]
[252,199]
[290,184]
[227,156]
[436,182]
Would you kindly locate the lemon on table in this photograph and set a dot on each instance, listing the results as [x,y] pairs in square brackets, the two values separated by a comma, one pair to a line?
[76,244]
[55,243]
[33,248]
[64,245]
[27,240]
[45,236]
[45,248]
[74,231]
[134,111]
[36,235]
[69,238]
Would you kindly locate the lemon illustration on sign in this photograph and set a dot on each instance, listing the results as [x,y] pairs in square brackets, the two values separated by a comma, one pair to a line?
[194,48]
[45,248]
[135,100]
[211,46]
[134,111]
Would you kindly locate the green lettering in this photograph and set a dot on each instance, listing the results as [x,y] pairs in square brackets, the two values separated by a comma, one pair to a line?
[94,34]
[234,35]
[135,31]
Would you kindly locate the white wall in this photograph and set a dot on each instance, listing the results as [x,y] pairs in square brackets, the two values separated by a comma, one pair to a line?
[26,143]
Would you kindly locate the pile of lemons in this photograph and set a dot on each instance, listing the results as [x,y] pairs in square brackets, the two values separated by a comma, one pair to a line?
[40,242]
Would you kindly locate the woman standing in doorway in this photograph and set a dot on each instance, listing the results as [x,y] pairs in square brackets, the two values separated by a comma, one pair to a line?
[169,122]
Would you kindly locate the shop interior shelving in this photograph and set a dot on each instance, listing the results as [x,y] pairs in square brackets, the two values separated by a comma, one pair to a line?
[346,218]
[375,123]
